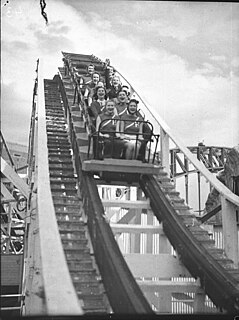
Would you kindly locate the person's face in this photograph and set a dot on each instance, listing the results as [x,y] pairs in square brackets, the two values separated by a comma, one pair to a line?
[91,69]
[116,81]
[101,93]
[122,96]
[111,70]
[95,78]
[110,107]
[100,84]
[132,107]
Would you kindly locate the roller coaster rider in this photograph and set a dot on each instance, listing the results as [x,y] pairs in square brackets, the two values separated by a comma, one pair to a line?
[92,84]
[115,88]
[109,143]
[131,128]
[98,105]
[83,80]
[121,105]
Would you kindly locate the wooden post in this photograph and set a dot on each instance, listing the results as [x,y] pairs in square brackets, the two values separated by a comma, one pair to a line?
[149,243]
[199,300]
[229,228]
[164,145]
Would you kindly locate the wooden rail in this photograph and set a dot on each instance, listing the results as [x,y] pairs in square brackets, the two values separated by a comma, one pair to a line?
[59,294]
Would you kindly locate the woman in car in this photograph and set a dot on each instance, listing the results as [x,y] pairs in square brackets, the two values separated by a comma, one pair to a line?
[109,140]
[131,129]
[99,102]
[115,87]
[121,104]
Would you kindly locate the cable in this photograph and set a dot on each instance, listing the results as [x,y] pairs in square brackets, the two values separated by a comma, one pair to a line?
[43,6]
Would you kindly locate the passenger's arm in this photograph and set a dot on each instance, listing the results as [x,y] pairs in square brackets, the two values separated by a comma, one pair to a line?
[98,122]
[90,97]
[118,132]
[140,136]
[87,91]
[123,135]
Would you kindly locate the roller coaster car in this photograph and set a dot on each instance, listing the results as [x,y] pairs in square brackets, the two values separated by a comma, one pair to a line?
[108,159]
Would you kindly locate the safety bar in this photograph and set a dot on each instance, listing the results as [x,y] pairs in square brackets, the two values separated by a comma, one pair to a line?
[147,137]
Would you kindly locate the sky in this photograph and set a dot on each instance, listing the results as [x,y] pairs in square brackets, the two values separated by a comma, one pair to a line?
[183,57]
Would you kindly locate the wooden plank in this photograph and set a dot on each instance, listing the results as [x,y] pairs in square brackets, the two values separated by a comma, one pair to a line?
[127,204]
[168,286]
[230,233]
[6,193]
[136,228]
[128,216]
[11,269]
[8,172]
[118,165]
[160,265]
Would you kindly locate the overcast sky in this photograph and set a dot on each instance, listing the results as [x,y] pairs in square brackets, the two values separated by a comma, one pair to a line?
[182,56]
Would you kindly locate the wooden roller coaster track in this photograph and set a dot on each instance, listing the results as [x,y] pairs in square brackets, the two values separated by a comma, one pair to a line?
[70,235]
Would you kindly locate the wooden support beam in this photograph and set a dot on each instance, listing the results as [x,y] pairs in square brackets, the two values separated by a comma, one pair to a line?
[199,300]
[140,204]
[230,233]
[6,193]
[168,286]
[127,217]
[136,228]
[164,146]
[149,241]
[118,165]
[8,172]
[135,237]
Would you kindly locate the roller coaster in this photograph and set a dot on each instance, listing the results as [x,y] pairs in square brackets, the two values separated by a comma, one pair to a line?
[105,235]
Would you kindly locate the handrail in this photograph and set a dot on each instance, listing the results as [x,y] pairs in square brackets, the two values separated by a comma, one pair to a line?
[114,137]
[31,137]
[221,188]
[60,299]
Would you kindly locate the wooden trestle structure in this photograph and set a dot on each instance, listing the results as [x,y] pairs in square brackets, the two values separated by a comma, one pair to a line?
[95,245]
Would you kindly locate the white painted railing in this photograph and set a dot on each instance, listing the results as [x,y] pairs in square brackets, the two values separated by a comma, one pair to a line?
[229,200]
[59,294]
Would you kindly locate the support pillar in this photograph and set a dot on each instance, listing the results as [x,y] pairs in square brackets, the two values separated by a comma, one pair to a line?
[164,145]
[229,229]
